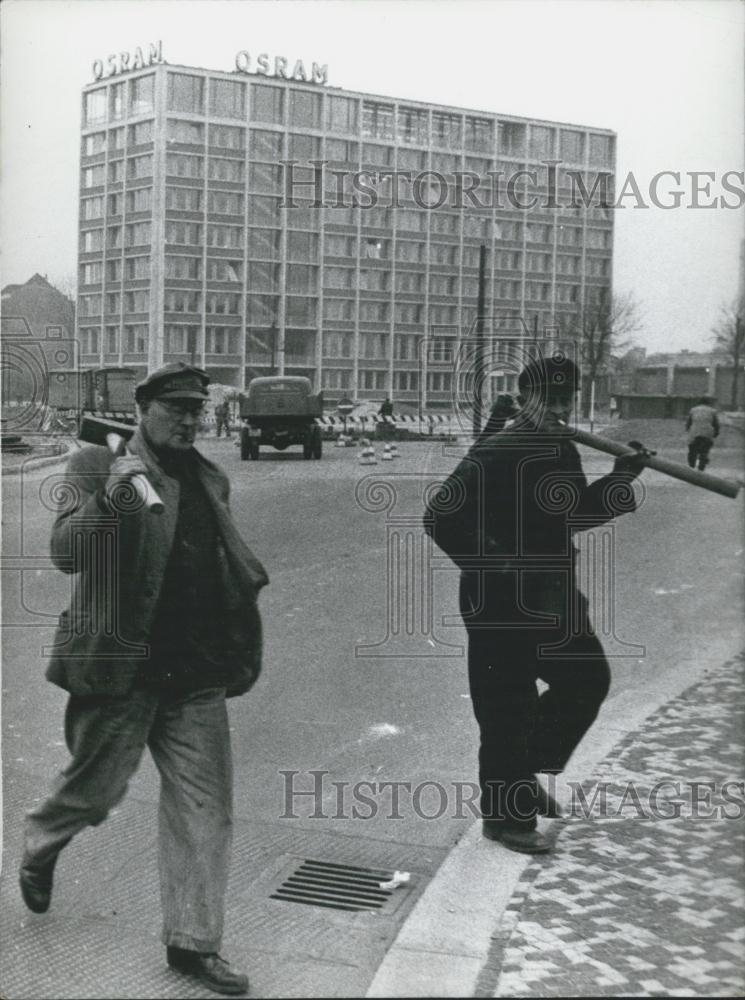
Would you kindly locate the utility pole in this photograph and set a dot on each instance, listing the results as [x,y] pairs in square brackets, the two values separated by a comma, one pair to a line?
[736,349]
[479,363]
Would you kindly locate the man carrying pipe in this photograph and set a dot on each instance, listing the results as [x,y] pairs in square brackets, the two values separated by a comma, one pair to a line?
[163,626]
[506,516]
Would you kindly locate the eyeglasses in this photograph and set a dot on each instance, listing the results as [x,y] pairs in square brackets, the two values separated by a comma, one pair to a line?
[182,409]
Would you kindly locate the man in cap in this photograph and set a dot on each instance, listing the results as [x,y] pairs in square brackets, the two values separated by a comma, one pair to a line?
[163,626]
[702,424]
[506,516]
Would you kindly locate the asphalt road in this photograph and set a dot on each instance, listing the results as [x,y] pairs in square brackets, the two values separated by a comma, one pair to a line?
[319,704]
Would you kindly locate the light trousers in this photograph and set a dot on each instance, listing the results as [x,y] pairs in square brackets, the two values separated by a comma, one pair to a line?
[189,740]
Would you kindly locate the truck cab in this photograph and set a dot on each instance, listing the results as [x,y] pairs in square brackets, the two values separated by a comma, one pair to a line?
[280,411]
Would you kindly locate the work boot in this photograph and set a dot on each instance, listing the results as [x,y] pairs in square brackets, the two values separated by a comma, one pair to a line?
[523,840]
[209,969]
[35,879]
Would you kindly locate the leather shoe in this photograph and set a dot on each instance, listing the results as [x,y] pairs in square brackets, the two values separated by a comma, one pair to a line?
[36,883]
[209,968]
[546,804]
[515,838]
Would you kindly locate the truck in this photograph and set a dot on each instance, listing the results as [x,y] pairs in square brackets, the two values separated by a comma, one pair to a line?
[103,391]
[280,410]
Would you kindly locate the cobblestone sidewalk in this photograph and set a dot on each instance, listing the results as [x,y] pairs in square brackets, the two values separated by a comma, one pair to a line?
[645,895]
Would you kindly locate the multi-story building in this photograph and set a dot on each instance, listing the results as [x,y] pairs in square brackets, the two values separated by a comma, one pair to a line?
[206,233]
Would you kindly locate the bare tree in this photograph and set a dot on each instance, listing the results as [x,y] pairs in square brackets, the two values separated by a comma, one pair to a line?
[729,339]
[602,328]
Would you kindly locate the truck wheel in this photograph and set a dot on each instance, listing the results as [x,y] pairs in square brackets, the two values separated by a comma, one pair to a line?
[254,448]
[307,448]
[317,443]
[245,444]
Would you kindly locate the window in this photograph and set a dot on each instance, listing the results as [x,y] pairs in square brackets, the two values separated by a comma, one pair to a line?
[265,177]
[112,339]
[138,301]
[221,340]
[138,234]
[179,300]
[116,171]
[227,136]
[377,120]
[187,233]
[140,166]
[113,303]
[301,310]
[263,276]
[377,155]
[443,284]
[570,236]
[267,103]
[221,169]
[183,267]
[336,378]
[412,126]
[183,199]
[91,208]
[541,142]
[371,379]
[340,216]
[227,303]
[305,109]
[445,223]
[539,233]
[406,381]
[341,114]
[116,101]
[189,133]
[93,144]
[141,133]
[265,145]
[186,93]
[539,262]
[444,253]
[375,280]
[375,312]
[304,246]
[479,134]
[180,339]
[601,150]
[342,151]
[408,312]
[407,281]
[337,345]
[264,243]
[408,250]
[597,239]
[94,176]
[262,310]
[511,138]
[89,305]
[141,95]
[89,340]
[139,200]
[227,98]
[340,246]
[338,310]
[114,237]
[181,165]
[116,204]
[302,278]
[136,268]
[222,269]
[225,203]
[572,146]
[304,147]
[229,237]
[116,138]
[95,107]
[114,270]
[135,338]
[446,130]
[565,293]
[374,248]
[91,240]
[339,277]
[412,159]
[263,211]
[439,381]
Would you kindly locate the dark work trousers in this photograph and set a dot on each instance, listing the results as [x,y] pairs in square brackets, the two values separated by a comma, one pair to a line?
[698,451]
[522,732]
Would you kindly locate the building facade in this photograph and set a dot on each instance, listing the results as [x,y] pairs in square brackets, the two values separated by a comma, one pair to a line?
[263,225]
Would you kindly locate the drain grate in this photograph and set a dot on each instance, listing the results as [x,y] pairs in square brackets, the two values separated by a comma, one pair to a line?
[338,887]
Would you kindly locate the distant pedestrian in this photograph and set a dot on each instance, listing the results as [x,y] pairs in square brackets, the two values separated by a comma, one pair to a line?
[506,517]
[222,415]
[163,626]
[385,425]
[702,424]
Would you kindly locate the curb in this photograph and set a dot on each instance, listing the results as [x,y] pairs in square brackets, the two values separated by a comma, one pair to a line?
[37,463]
[445,943]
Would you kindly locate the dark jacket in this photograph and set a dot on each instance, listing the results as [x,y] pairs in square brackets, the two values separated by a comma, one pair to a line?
[120,562]
[507,513]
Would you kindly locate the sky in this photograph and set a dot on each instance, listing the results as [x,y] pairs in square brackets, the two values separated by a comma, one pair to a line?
[668,76]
